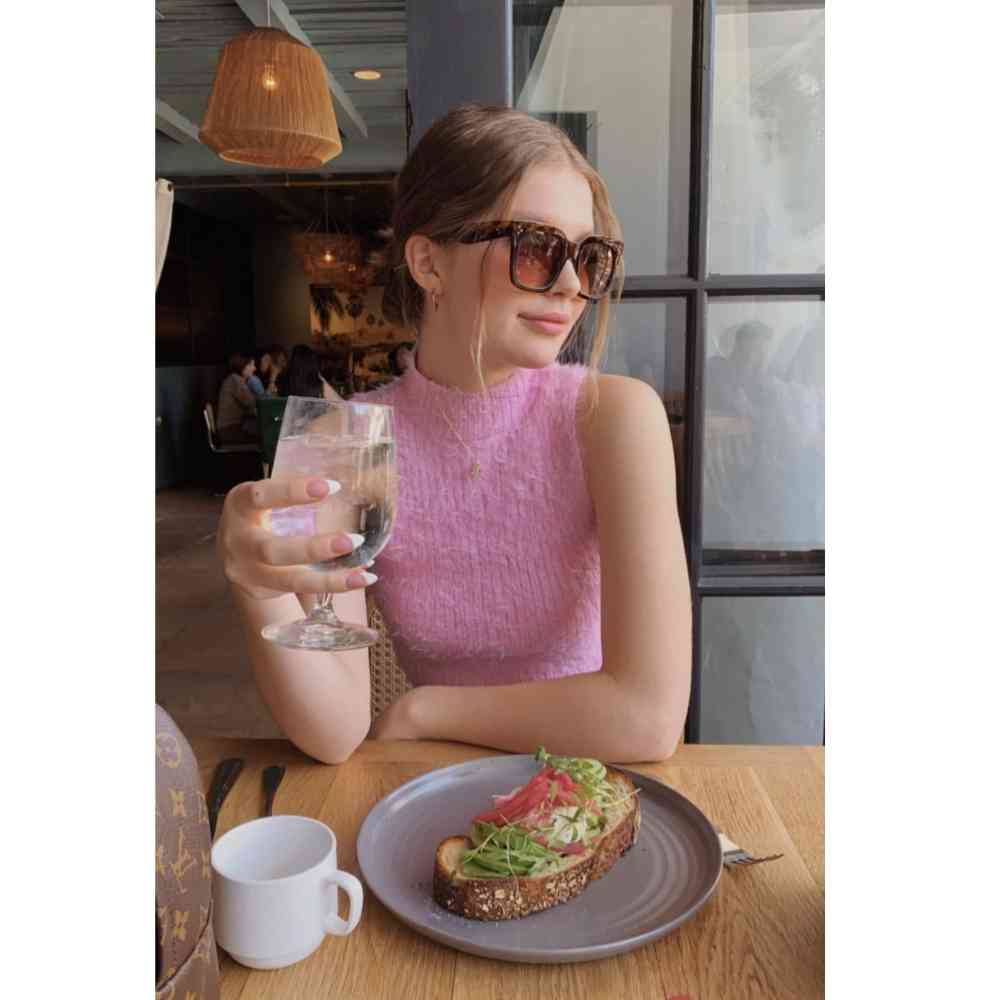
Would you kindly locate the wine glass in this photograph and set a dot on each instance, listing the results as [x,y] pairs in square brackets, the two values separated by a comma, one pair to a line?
[351,443]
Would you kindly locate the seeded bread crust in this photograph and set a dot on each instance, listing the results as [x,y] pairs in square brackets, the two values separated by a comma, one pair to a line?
[508,898]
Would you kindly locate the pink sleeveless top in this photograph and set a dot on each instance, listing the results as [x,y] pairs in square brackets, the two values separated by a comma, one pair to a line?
[493,580]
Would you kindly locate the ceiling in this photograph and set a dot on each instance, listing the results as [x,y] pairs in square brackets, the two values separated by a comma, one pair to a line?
[348,35]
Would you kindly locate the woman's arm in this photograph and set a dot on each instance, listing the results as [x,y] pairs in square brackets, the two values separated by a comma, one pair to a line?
[634,707]
[246,399]
[321,701]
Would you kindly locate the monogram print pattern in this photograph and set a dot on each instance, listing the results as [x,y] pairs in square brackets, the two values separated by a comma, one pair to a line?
[189,966]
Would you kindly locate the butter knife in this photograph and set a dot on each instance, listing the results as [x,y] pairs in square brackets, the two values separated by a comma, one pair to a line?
[223,780]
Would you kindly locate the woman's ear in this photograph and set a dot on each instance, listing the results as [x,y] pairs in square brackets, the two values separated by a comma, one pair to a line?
[423,259]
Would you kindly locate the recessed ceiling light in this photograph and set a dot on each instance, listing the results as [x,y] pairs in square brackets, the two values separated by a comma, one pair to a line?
[368,74]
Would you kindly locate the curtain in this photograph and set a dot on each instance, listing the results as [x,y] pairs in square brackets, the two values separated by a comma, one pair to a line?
[164,209]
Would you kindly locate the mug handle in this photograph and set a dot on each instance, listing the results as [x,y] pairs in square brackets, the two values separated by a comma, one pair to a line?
[350,885]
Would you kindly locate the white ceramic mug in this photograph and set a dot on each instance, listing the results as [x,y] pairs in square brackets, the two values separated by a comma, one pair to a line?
[271,882]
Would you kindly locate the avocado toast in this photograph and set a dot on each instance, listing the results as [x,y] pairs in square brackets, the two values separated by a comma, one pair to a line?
[540,845]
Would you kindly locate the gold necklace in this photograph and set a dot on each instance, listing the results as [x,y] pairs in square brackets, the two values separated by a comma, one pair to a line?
[474,468]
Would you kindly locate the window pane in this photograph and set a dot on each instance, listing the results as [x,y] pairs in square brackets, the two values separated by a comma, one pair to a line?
[617,77]
[762,670]
[646,340]
[763,453]
[766,185]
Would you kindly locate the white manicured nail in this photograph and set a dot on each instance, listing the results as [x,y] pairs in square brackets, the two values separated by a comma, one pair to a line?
[334,488]
[356,539]
[367,564]
[369,578]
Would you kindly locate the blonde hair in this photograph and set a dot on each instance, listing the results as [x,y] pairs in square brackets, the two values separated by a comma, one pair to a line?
[465,170]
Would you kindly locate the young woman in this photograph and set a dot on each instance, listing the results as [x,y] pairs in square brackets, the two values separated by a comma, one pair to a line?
[261,378]
[279,362]
[535,583]
[236,413]
[302,376]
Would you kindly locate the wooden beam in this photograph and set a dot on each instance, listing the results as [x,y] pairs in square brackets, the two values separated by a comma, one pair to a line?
[349,118]
[174,124]
[275,195]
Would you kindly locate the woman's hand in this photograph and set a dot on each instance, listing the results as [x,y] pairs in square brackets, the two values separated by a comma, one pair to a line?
[264,565]
[399,720]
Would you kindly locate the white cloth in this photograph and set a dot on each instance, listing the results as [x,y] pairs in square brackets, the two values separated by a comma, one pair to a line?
[164,210]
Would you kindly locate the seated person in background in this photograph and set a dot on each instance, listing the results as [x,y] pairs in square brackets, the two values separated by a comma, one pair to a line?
[236,415]
[279,362]
[331,371]
[302,376]
[400,358]
[258,381]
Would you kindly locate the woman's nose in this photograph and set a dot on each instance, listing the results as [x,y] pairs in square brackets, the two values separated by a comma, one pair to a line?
[568,282]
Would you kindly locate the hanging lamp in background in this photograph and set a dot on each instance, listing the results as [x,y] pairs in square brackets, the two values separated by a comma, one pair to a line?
[270,104]
[332,258]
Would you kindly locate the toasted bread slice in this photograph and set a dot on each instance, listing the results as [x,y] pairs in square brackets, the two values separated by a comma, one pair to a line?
[507,898]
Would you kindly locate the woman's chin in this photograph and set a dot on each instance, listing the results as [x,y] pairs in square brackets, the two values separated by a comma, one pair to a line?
[538,354]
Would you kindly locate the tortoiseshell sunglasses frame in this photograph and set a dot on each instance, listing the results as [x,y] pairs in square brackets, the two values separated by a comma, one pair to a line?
[570,250]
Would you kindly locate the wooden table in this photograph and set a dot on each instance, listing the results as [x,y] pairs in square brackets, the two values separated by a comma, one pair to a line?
[761,935]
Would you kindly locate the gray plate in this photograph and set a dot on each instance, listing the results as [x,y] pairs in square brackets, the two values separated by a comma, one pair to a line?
[661,882]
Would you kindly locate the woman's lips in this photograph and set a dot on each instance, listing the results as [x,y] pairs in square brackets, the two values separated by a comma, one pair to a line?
[549,326]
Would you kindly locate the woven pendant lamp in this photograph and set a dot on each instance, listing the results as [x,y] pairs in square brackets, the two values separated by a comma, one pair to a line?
[329,257]
[270,104]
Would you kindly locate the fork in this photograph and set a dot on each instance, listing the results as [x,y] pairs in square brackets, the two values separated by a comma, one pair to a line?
[734,855]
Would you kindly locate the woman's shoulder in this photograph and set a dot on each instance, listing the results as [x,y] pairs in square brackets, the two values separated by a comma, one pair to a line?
[615,409]
[383,394]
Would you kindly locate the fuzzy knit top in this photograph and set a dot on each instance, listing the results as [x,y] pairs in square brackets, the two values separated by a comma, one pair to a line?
[495,579]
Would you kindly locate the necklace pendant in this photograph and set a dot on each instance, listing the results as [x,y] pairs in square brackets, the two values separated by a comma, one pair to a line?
[474,471]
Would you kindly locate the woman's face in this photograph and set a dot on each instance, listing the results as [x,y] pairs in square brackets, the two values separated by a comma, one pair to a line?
[265,364]
[554,194]
[248,370]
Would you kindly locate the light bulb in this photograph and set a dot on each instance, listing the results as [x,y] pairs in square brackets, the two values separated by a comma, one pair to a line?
[269,79]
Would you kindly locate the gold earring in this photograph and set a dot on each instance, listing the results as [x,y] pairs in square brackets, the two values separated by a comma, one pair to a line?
[435,299]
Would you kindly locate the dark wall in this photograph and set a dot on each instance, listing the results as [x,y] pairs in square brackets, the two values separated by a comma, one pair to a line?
[204,312]
[182,452]
[281,289]
[204,302]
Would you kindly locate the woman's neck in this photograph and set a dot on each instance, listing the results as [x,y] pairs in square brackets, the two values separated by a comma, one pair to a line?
[440,360]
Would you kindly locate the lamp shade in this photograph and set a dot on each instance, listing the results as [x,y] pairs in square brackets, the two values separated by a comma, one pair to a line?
[270,104]
[333,259]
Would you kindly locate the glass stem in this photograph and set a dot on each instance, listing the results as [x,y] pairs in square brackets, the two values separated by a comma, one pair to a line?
[323,612]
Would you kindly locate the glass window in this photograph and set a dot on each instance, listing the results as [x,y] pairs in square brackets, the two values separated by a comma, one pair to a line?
[763,446]
[762,670]
[766,160]
[617,77]
[646,340]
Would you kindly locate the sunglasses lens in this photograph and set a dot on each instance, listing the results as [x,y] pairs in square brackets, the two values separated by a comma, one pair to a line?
[538,257]
[596,268]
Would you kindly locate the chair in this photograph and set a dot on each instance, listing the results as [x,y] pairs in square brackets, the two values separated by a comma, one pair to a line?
[388,682]
[223,449]
[270,411]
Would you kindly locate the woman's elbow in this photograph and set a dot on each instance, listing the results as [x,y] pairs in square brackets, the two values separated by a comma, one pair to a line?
[657,745]
[659,732]
[331,750]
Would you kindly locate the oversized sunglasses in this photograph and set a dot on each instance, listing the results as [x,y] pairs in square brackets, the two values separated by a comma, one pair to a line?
[538,254]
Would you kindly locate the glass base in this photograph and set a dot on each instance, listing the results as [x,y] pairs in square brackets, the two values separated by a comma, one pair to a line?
[322,630]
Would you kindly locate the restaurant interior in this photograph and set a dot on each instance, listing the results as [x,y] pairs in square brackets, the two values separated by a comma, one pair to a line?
[269,239]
